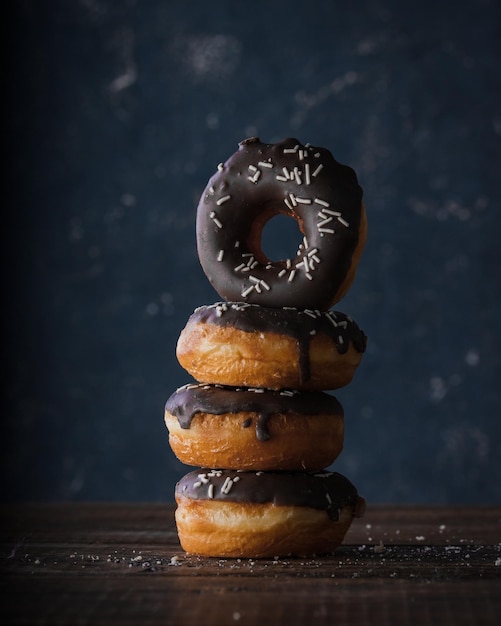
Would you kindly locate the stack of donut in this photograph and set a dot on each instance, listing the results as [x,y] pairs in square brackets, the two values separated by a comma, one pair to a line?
[258,423]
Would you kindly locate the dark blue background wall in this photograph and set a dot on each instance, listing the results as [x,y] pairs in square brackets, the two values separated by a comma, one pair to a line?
[117,114]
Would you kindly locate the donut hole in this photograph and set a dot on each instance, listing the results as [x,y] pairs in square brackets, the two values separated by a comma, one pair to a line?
[281,237]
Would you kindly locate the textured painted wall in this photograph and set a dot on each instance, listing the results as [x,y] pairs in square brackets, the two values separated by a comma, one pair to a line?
[117,114]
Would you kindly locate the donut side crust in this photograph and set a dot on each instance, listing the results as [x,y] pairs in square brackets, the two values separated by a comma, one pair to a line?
[297,442]
[247,530]
[229,356]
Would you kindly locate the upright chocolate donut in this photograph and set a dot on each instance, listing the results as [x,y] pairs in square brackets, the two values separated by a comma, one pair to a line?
[259,182]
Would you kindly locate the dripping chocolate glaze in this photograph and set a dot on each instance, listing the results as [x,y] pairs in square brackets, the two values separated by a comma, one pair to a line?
[189,400]
[328,491]
[301,324]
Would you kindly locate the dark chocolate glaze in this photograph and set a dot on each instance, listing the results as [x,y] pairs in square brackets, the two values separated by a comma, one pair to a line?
[258,182]
[191,399]
[302,325]
[328,491]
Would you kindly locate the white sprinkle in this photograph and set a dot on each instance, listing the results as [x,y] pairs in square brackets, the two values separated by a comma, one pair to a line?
[220,167]
[312,252]
[203,478]
[307,173]
[222,200]
[321,202]
[317,155]
[197,484]
[265,285]
[220,255]
[227,485]
[330,317]
[254,279]
[288,264]
[247,291]
[211,190]
[255,178]
[281,178]
[282,273]
[318,170]
[297,175]
[239,267]
[340,339]
[308,275]
[303,200]
[343,222]
[287,174]
[237,244]
[286,392]
[331,212]
[291,150]
[293,199]
[328,498]
[217,222]
[325,221]
[301,154]
[253,168]
[210,491]
[288,204]
[291,276]
[310,313]
[328,231]
[265,164]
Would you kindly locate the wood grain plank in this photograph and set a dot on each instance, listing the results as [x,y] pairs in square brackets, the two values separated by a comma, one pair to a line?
[122,564]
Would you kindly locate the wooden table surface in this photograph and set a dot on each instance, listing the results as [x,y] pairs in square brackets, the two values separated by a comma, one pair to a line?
[122,564]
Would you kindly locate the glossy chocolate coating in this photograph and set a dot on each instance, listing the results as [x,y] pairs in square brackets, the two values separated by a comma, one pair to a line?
[328,491]
[258,182]
[191,399]
[302,325]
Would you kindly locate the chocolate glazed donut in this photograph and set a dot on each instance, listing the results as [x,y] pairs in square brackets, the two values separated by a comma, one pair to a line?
[236,344]
[254,428]
[264,514]
[303,182]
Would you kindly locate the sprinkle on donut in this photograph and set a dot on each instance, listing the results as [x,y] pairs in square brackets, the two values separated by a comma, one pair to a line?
[259,182]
